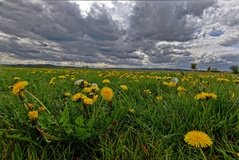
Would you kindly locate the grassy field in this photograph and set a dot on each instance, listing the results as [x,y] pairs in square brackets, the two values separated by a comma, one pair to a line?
[47,114]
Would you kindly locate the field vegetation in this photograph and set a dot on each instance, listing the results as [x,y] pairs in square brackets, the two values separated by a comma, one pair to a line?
[69,114]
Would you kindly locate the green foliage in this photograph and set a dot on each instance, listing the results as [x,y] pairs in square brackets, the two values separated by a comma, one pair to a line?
[133,125]
[234,69]
[193,66]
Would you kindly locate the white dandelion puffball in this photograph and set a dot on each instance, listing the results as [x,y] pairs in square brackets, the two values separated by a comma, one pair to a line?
[174,80]
[78,82]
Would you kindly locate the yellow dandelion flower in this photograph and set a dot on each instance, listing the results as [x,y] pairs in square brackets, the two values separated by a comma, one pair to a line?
[42,109]
[88,101]
[52,80]
[232,95]
[124,87]
[159,98]
[87,89]
[205,95]
[131,110]
[106,93]
[33,115]
[172,84]
[95,97]
[17,87]
[16,78]
[198,139]
[222,80]
[238,154]
[181,88]
[147,91]
[78,96]
[30,106]
[106,81]
[67,94]
[62,77]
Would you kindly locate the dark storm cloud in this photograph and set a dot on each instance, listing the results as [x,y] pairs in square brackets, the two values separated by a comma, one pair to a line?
[165,21]
[57,31]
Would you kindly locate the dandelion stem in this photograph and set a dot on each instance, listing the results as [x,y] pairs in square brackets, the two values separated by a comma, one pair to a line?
[204,157]
[38,101]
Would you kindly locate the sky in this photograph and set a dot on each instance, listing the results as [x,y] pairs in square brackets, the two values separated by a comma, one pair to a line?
[125,34]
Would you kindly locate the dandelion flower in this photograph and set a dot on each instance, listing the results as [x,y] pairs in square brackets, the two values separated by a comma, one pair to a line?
[62,77]
[78,96]
[67,94]
[17,87]
[88,101]
[131,110]
[33,115]
[106,81]
[198,139]
[16,78]
[42,109]
[106,93]
[159,98]
[52,80]
[147,91]
[95,97]
[232,95]
[30,106]
[124,87]
[205,95]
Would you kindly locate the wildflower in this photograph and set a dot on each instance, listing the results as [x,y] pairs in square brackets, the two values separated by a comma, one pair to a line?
[204,95]
[16,78]
[232,95]
[30,106]
[95,97]
[159,98]
[20,95]
[88,101]
[124,87]
[165,83]
[62,77]
[106,81]
[172,84]
[198,139]
[42,109]
[33,115]
[87,89]
[131,110]
[222,80]
[236,81]
[67,94]
[78,96]
[181,88]
[17,87]
[78,82]
[147,91]
[107,93]
[52,80]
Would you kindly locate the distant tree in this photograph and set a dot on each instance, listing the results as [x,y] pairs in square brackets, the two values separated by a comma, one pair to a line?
[215,70]
[193,66]
[234,69]
[209,69]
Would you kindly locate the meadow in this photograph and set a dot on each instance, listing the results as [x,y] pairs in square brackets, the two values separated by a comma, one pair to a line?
[69,114]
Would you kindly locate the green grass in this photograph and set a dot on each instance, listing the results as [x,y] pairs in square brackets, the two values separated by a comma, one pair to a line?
[107,129]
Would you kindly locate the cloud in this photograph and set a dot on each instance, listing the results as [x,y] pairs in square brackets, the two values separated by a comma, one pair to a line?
[137,34]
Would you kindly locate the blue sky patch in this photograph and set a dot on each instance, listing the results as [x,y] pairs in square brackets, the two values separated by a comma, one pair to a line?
[216,33]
